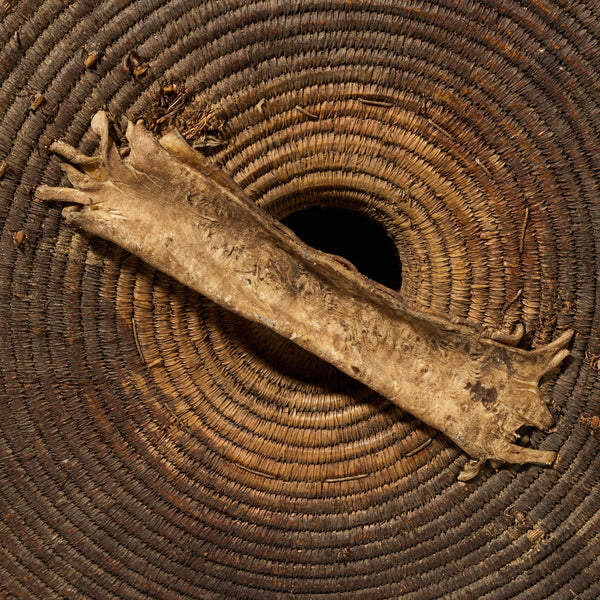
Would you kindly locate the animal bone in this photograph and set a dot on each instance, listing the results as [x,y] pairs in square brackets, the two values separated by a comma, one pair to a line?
[167,205]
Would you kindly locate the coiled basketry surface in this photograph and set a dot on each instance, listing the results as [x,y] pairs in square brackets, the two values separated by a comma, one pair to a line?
[153,445]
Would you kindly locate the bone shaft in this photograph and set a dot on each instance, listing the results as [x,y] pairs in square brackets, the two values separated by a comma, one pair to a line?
[238,258]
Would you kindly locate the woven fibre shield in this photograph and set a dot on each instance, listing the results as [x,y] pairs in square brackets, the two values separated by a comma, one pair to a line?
[153,445]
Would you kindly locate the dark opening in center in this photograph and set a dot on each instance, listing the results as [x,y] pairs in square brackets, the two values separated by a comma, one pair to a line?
[353,236]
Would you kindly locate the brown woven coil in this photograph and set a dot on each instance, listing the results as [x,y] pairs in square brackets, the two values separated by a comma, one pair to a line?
[153,445]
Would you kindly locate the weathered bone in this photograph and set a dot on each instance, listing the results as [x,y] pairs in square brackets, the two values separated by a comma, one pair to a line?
[167,205]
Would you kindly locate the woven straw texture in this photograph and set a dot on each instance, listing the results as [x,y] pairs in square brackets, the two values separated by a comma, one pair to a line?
[153,445]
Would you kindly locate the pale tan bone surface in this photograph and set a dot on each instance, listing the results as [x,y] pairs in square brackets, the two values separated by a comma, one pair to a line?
[167,205]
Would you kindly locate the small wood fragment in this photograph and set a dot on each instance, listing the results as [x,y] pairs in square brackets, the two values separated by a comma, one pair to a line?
[307,113]
[20,237]
[418,449]
[255,472]
[523,231]
[36,101]
[157,362]
[134,64]
[373,102]
[346,478]
[140,70]
[136,339]
[485,169]
[91,59]
[169,89]
[514,298]
[440,128]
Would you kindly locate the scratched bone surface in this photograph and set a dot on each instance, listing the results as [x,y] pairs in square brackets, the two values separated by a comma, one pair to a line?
[169,206]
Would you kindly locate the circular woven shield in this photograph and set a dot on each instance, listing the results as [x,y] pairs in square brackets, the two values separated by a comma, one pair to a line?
[153,445]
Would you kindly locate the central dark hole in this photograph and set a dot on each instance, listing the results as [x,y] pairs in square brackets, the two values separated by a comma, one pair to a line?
[356,237]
